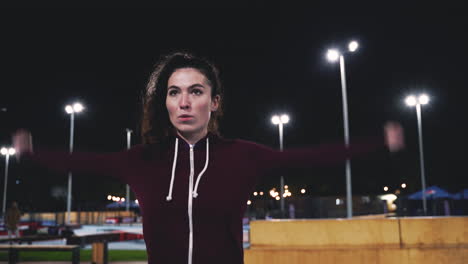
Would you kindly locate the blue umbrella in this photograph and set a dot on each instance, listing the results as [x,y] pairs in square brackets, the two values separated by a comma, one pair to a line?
[463,194]
[122,205]
[432,192]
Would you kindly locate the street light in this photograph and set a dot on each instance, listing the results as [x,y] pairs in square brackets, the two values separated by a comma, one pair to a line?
[127,188]
[352,46]
[280,120]
[71,110]
[417,101]
[7,152]
[333,55]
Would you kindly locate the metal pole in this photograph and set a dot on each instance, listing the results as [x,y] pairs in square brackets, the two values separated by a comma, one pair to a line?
[421,155]
[127,188]
[5,186]
[69,198]
[280,127]
[349,197]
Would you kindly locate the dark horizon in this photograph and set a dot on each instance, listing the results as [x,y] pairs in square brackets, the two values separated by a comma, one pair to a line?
[270,62]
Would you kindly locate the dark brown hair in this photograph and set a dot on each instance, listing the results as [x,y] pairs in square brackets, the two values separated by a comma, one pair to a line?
[155,124]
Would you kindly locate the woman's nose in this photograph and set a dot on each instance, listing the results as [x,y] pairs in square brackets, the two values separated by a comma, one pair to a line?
[184,101]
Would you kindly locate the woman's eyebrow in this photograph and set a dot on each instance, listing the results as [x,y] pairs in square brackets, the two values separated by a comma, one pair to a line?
[196,85]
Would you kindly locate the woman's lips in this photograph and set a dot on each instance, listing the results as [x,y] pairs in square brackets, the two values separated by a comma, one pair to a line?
[185,118]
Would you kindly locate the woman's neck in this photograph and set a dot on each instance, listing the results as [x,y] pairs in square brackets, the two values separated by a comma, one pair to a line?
[192,138]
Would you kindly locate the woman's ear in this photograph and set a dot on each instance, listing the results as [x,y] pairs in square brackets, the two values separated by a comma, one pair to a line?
[215,103]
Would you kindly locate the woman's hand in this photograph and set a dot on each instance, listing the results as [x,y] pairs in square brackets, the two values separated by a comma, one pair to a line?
[22,142]
[394,136]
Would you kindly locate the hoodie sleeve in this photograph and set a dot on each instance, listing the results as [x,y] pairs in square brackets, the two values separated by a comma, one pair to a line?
[115,164]
[276,162]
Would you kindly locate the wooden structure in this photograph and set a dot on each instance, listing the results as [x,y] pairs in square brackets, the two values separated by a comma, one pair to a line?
[427,240]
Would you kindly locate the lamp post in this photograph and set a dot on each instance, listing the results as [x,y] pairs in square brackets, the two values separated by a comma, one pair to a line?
[71,110]
[280,121]
[417,101]
[7,152]
[333,55]
[127,188]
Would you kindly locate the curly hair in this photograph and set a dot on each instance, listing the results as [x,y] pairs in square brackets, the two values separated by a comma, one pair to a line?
[155,124]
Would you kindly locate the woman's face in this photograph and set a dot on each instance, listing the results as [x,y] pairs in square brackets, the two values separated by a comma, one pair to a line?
[189,102]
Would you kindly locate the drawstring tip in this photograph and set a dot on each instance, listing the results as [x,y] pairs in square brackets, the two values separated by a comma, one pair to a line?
[195,195]
[168,198]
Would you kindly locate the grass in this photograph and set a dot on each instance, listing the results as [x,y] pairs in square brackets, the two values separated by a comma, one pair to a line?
[85,255]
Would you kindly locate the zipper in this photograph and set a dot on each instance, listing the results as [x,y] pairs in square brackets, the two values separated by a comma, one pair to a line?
[190,204]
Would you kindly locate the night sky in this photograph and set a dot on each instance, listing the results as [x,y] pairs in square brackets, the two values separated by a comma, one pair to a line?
[271,61]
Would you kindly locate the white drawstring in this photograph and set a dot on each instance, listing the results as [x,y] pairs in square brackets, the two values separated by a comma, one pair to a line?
[174,163]
[195,194]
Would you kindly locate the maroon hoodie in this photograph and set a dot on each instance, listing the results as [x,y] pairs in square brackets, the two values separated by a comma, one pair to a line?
[193,198]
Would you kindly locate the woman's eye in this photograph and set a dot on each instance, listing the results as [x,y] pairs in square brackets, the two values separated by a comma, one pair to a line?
[197,92]
[172,92]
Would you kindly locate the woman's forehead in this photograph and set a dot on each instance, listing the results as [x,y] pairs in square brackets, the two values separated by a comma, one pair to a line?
[187,77]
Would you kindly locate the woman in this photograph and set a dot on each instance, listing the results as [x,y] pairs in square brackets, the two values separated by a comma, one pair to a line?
[191,184]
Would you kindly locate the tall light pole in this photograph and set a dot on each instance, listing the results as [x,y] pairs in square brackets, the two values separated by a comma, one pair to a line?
[417,101]
[280,121]
[127,188]
[71,110]
[7,152]
[334,55]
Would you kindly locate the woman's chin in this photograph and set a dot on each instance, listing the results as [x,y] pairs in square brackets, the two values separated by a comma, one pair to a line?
[188,130]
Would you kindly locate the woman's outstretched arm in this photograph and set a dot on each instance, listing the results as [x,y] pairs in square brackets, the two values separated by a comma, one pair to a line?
[331,154]
[111,164]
